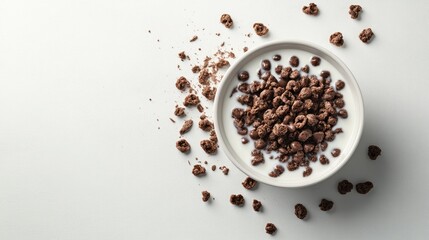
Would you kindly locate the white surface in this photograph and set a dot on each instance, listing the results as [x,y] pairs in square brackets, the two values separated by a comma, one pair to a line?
[81,156]
[240,154]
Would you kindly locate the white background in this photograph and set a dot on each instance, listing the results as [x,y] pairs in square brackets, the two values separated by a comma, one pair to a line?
[81,155]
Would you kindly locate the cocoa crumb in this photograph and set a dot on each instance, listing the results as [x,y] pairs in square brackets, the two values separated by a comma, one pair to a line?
[182,56]
[194,38]
[200,108]
[213,168]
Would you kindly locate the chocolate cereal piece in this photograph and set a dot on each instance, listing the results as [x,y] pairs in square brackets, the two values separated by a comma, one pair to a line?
[187,125]
[257,205]
[340,84]
[198,170]
[205,125]
[203,77]
[344,187]
[311,9]
[294,61]
[224,170]
[277,57]
[300,211]
[237,200]
[191,100]
[307,172]
[364,188]
[226,20]
[335,152]
[260,29]
[366,35]
[326,205]
[373,152]
[209,92]
[258,157]
[182,83]
[249,183]
[270,228]
[206,196]
[208,146]
[305,69]
[315,61]
[213,168]
[323,159]
[337,39]
[354,11]
[243,76]
[179,111]
[196,69]
[183,146]
[277,171]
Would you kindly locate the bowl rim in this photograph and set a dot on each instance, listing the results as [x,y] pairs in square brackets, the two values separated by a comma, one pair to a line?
[224,84]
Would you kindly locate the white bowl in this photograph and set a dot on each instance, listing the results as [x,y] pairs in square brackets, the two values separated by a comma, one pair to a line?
[239,153]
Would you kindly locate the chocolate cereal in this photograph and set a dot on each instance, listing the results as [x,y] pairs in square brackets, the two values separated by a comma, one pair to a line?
[326,205]
[237,200]
[206,196]
[336,39]
[373,152]
[249,183]
[226,20]
[354,11]
[260,29]
[364,188]
[183,146]
[344,187]
[366,35]
[300,211]
[198,170]
[257,205]
[311,9]
[270,228]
